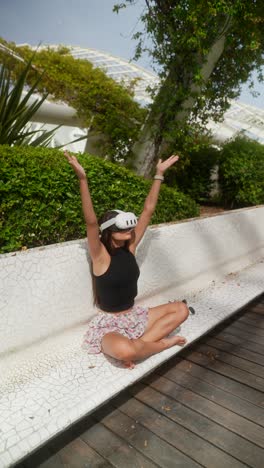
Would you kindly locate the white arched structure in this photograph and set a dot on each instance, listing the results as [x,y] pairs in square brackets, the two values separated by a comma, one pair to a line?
[240,117]
[120,70]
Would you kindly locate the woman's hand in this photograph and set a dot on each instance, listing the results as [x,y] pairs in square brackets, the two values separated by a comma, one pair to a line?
[78,169]
[162,166]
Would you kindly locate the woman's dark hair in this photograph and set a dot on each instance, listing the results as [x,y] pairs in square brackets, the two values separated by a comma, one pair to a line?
[106,235]
[106,239]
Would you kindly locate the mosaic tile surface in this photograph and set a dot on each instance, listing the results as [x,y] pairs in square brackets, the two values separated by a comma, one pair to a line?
[47,290]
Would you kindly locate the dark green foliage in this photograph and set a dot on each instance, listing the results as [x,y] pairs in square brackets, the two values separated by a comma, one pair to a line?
[192,175]
[40,200]
[96,97]
[16,112]
[241,173]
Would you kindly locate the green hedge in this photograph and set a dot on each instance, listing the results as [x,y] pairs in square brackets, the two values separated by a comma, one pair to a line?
[241,173]
[40,200]
[192,175]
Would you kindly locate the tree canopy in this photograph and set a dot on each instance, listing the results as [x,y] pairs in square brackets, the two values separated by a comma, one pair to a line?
[205,50]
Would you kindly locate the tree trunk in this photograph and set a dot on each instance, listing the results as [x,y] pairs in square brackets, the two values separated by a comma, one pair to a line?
[146,149]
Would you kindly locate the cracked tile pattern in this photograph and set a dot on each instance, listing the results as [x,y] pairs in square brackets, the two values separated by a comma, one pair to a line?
[47,381]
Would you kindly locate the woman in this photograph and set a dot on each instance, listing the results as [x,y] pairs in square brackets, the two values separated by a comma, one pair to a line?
[120,329]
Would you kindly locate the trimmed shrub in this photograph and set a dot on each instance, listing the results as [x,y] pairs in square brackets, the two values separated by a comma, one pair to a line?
[40,200]
[241,173]
[192,175]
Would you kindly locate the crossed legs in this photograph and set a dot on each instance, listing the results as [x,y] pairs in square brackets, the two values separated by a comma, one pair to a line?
[162,320]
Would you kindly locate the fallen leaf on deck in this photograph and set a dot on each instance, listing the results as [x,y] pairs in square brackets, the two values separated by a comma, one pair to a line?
[166,408]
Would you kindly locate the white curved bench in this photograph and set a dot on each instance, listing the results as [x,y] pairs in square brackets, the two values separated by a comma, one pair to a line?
[47,382]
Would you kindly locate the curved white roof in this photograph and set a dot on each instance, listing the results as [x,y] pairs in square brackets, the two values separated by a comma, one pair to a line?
[239,117]
[120,70]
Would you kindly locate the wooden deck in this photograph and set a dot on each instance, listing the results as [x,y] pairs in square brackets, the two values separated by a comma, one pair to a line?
[203,408]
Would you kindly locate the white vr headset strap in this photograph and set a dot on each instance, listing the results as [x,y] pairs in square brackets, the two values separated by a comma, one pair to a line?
[110,222]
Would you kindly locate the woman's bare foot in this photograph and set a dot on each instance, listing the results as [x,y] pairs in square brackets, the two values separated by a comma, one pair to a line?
[174,340]
[166,343]
[129,365]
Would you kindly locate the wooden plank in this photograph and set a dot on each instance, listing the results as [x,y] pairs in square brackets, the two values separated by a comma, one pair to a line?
[200,425]
[257,304]
[43,458]
[226,370]
[65,451]
[52,462]
[142,439]
[41,461]
[175,433]
[250,311]
[258,308]
[78,454]
[244,333]
[232,360]
[220,415]
[259,311]
[236,349]
[221,381]
[241,341]
[256,317]
[114,449]
[211,392]
[254,334]
[251,322]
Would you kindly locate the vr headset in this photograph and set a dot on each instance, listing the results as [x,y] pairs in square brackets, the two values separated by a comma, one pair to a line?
[122,221]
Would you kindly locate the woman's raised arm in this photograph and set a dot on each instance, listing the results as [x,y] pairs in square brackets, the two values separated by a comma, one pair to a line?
[152,198]
[92,227]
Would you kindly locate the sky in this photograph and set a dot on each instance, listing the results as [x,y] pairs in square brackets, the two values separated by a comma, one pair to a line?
[85,23]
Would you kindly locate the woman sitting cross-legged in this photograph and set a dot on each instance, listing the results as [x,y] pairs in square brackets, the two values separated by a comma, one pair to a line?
[121,329]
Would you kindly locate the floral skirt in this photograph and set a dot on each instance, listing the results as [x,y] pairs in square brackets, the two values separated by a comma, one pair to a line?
[131,324]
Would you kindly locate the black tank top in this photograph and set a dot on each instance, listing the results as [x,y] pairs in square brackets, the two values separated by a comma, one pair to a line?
[117,287]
